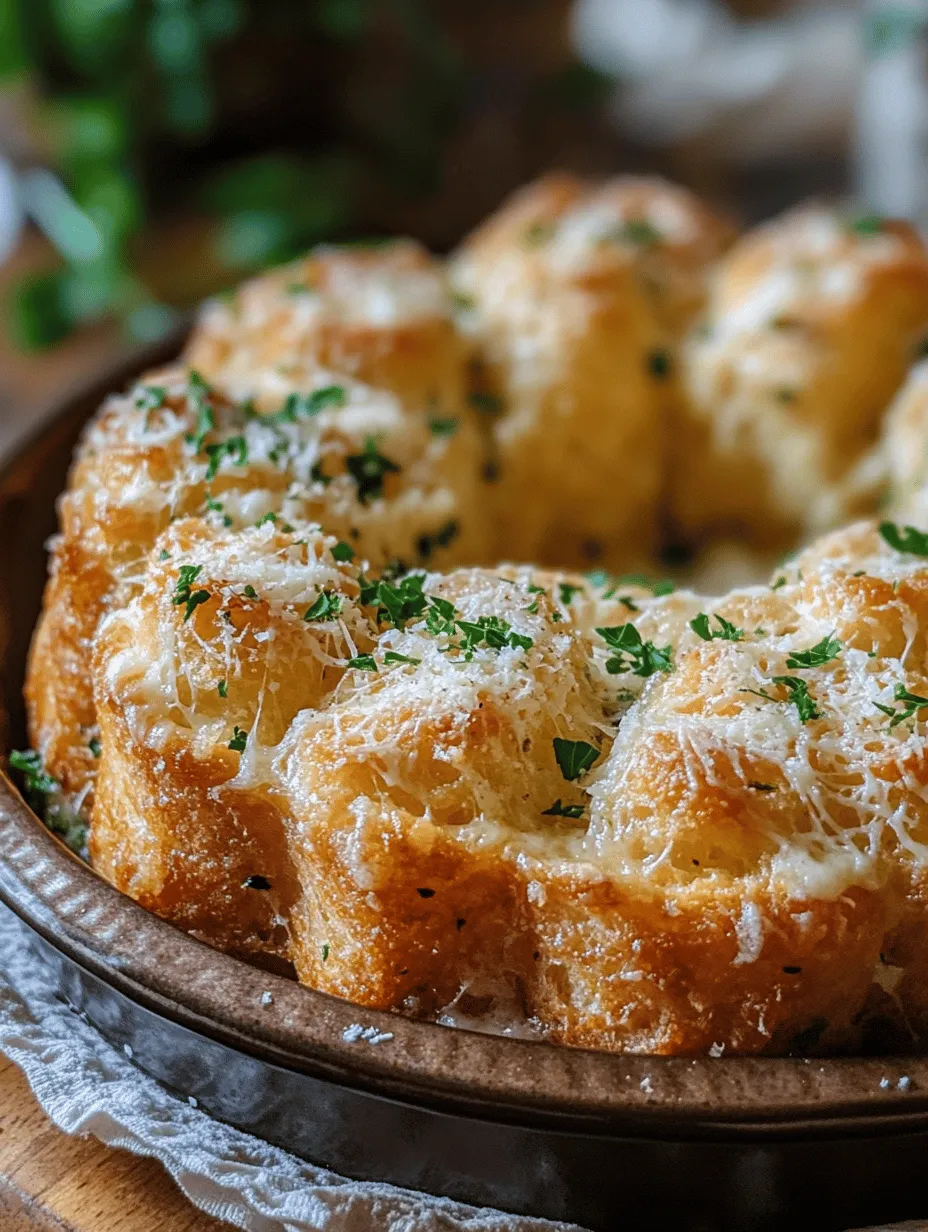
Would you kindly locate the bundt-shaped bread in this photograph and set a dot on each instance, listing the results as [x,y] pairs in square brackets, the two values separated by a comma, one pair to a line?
[311,718]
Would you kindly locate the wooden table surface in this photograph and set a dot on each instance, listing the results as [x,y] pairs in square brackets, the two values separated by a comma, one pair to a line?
[50,1181]
[47,1179]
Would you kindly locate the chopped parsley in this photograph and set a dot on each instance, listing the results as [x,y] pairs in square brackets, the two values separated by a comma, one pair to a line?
[636,231]
[198,399]
[912,704]
[633,654]
[327,607]
[443,427]
[566,592]
[249,592]
[396,603]
[823,652]
[798,695]
[94,745]
[660,365]
[574,757]
[325,952]
[184,592]
[867,224]
[343,552]
[726,631]
[369,470]
[779,583]
[426,544]
[393,656]
[557,809]
[492,632]
[223,688]
[239,740]
[149,397]
[363,663]
[440,617]
[487,404]
[236,448]
[36,782]
[905,538]
[317,475]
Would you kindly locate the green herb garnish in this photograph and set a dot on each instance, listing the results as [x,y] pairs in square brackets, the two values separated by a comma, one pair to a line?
[797,694]
[487,404]
[823,652]
[369,470]
[198,399]
[327,607]
[239,740]
[343,552]
[726,631]
[905,538]
[557,809]
[566,592]
[574,757]
[443,427]
[94,745]
[393,656]
[236,448]
[223,688]
[363,663]
[633,654]
[184,594]
[912,704]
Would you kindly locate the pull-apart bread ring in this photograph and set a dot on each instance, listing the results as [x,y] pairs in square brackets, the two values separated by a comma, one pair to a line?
[309,718]
[654,824]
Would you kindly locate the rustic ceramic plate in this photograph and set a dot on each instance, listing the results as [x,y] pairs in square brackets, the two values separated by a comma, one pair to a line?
[596,1139]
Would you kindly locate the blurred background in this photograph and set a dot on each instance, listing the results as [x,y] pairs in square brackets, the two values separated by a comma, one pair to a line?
[155,151]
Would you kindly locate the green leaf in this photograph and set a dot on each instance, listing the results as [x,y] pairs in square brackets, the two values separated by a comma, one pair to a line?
[912,705]
[236,448]
[557,809]
[905,539]
[633,653]
[443,427]
[566,592]
[726,631]
[239,739]
[363,663]
[393,656]
[343,552]
[369,470]
[574,757]
[799,696]
[823,652]
[327,607]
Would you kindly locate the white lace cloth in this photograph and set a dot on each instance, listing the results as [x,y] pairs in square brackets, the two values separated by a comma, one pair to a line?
[86,1086]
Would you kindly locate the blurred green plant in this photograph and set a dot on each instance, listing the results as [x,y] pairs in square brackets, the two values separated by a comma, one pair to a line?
[145,107]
